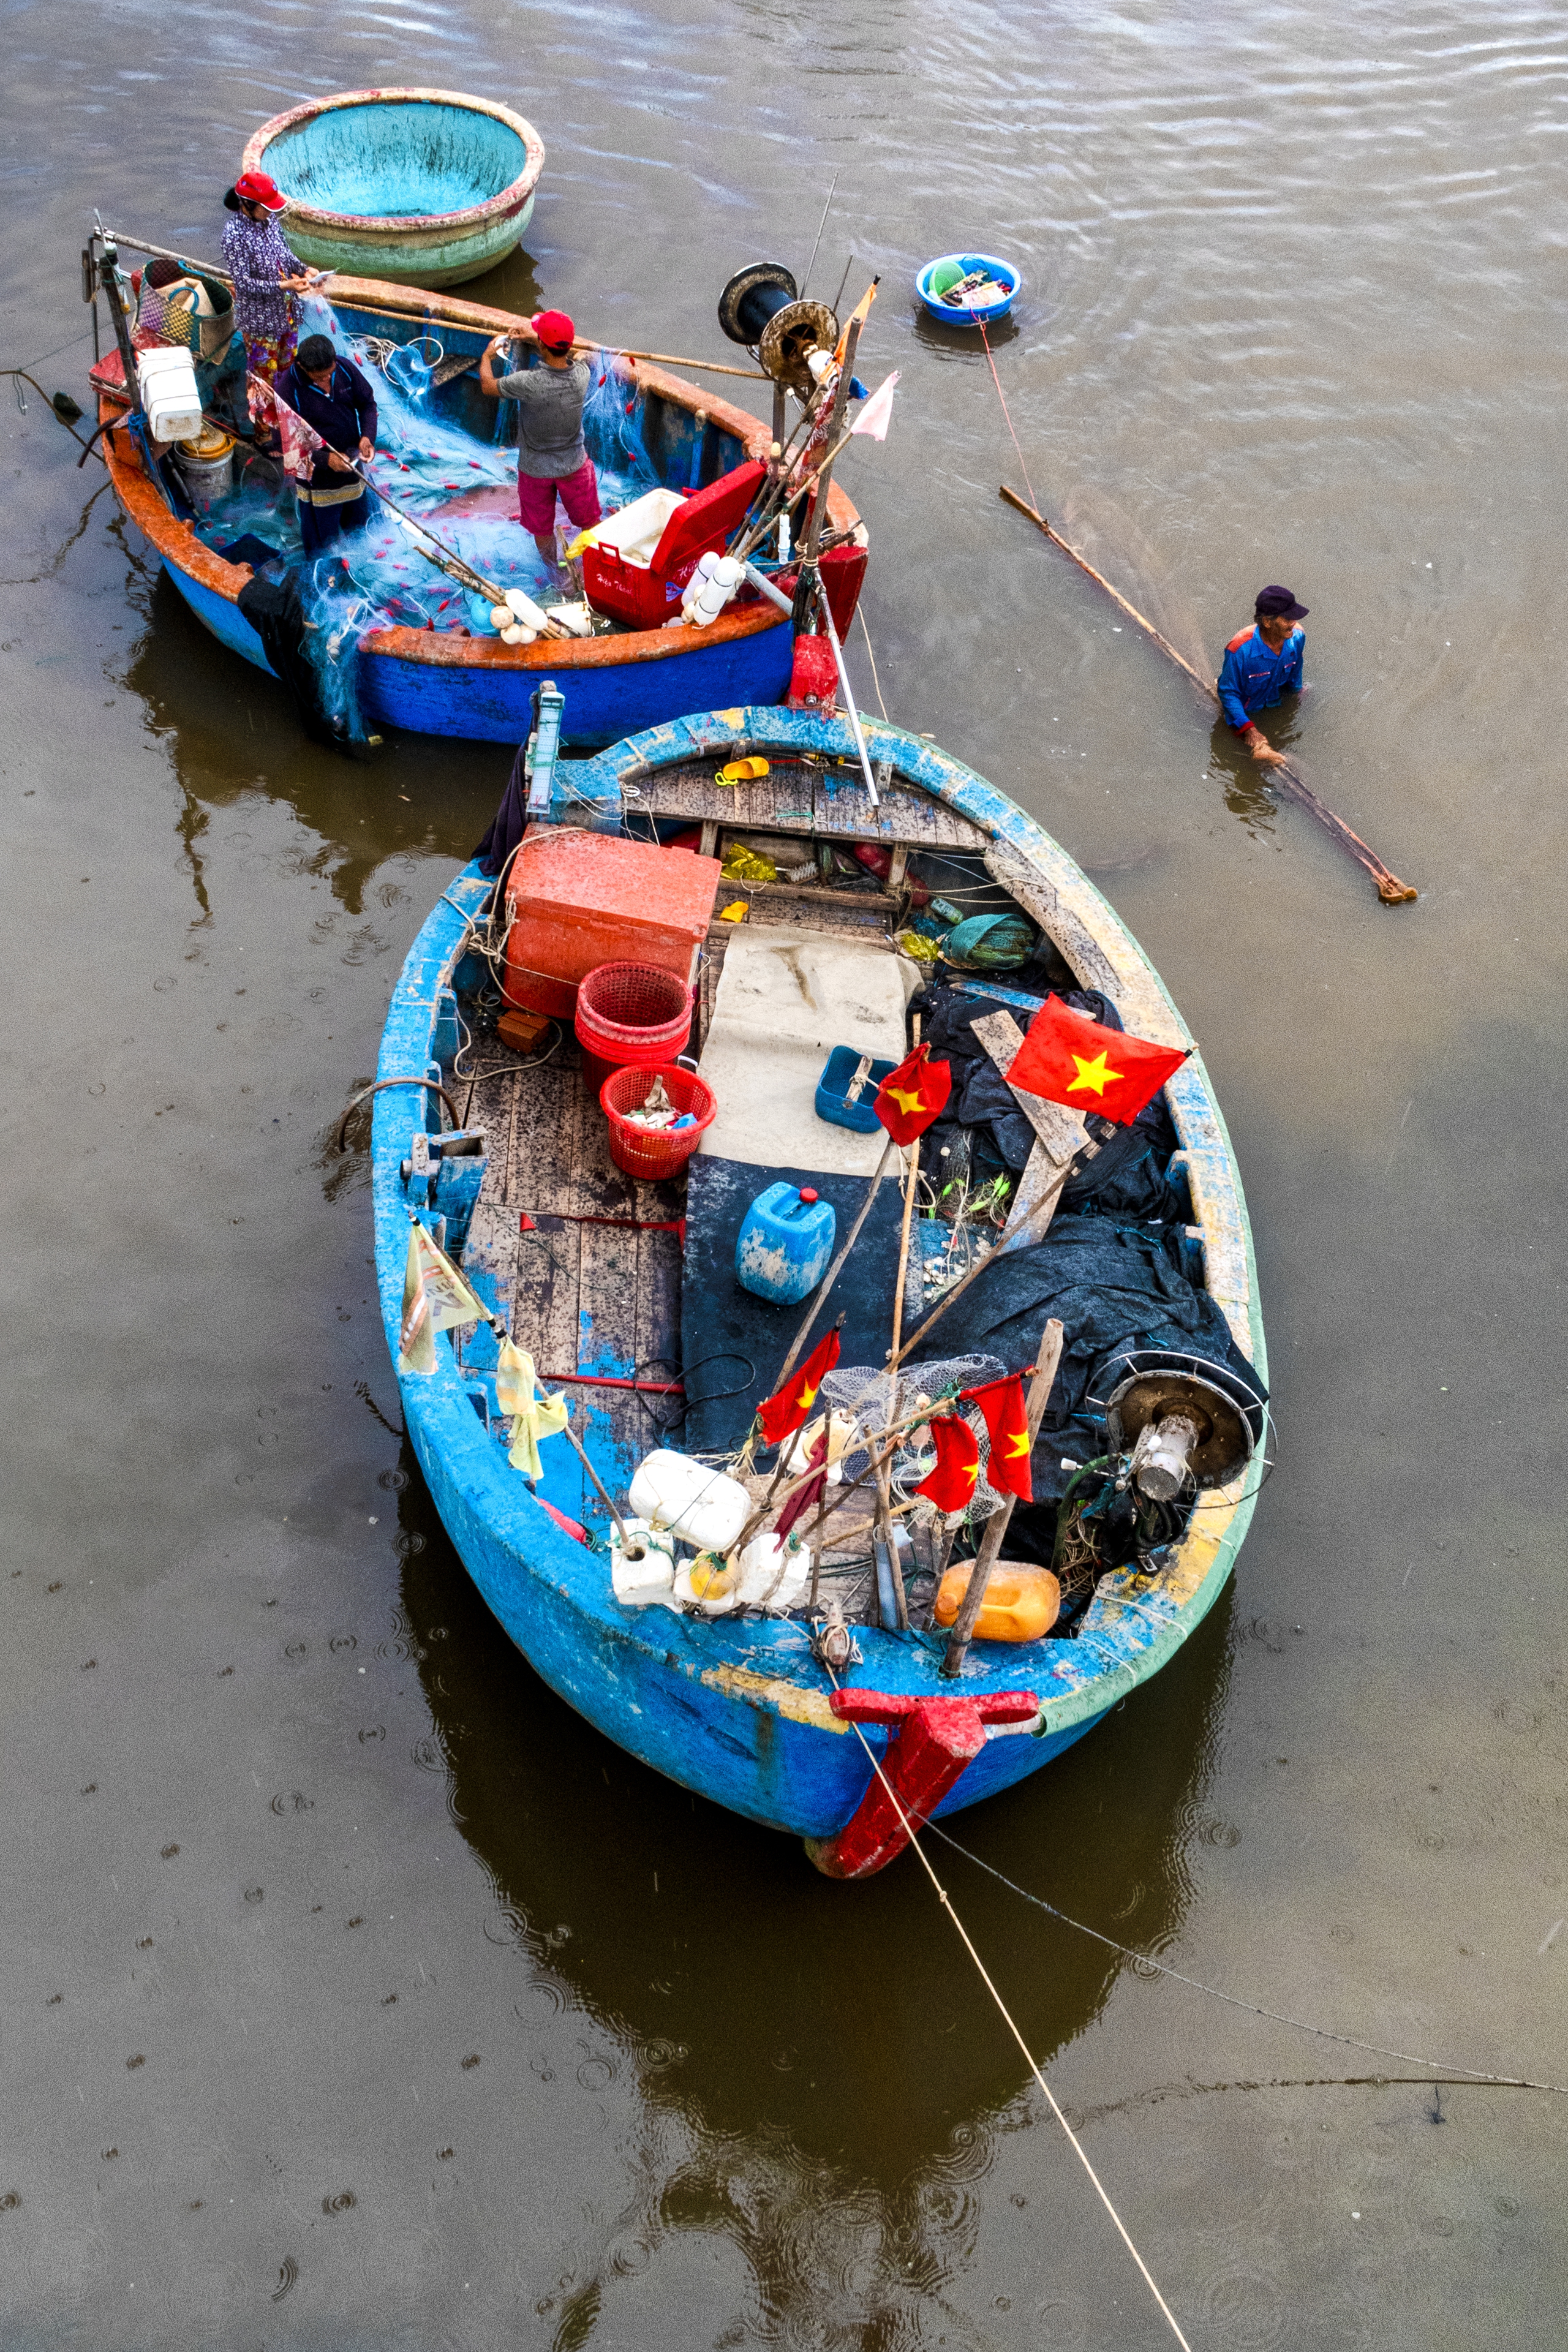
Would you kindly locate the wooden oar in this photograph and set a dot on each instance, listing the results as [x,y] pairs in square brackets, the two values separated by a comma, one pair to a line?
[1390,888]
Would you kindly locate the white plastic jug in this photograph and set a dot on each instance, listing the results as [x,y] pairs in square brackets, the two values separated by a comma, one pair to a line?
[646,1573]
[767,1573]
[694,1501]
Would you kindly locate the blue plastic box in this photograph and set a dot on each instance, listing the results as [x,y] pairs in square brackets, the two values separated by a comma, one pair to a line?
[834,1083]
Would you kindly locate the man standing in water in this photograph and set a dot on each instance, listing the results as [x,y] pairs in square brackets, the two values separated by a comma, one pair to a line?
[1260,665]
[552,456]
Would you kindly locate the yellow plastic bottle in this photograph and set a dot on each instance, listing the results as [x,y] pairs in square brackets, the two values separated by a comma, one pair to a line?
[1020,1603]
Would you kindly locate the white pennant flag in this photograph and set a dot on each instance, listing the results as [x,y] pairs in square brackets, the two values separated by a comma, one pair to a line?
[435,1297]
[876,411]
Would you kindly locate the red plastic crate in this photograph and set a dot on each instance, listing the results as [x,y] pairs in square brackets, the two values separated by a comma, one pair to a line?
[580,899]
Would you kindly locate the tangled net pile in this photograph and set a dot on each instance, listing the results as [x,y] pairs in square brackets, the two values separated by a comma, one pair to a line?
[877,1399]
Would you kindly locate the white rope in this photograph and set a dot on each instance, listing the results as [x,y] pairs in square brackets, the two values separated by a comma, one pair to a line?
[1074,2142]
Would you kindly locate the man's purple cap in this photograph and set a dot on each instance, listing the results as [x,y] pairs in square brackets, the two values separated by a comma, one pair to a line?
[1279,604]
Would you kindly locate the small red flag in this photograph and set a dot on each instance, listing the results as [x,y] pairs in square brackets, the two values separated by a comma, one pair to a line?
[788,1407]
[1008,1420]
[1070,1060]
[805,1497]
[951,1484]
[910,1096]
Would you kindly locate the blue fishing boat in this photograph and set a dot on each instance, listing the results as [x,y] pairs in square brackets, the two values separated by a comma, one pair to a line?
[426,656]
[807,1711]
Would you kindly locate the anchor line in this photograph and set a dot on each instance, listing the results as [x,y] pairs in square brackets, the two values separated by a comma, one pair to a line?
[1073,2140]
[1007,412]
[1445,2067]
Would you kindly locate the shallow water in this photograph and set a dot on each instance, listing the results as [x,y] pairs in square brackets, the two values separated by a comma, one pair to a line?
[355,1993]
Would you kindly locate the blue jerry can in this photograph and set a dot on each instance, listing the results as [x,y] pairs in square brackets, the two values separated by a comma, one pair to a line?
[785,1244]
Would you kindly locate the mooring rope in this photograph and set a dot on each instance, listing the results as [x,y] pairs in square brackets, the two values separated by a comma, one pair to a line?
[1434,2066]
[1007,413]
[1073,2140]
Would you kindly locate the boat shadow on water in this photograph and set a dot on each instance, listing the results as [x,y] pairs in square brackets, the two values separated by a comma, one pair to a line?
[753,1995]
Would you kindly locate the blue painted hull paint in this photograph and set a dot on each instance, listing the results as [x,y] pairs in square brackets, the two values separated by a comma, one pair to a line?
[737,1712]
[226,621]
[603,703]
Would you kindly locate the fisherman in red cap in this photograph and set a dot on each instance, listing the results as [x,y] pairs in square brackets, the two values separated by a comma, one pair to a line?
[266,275]
[551,457]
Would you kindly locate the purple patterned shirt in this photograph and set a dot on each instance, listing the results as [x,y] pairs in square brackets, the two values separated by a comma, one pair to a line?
[255,254]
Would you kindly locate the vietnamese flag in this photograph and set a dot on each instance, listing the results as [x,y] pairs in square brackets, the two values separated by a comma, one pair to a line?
[1070,1060]
[781,1413]
[801,1501]
[910,1096]
[1008,1420]
[951,1486]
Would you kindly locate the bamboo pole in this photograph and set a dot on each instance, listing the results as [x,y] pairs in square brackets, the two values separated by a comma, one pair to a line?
[1390,888]
[423,306]
[969,1608]
[819,1298]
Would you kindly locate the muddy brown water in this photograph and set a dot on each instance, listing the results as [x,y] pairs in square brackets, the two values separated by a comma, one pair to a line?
[354,1992]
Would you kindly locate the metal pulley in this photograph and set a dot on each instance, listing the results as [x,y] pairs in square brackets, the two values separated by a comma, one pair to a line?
[761,308]
[1184,1425]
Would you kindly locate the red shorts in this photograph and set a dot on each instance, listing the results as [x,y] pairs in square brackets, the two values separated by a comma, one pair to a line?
[579,496]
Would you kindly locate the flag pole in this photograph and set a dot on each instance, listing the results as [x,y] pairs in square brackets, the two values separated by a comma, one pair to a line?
[969,1608]
[819,1298]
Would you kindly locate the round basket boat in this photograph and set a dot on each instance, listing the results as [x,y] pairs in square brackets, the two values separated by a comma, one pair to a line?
[422,186]
[948,270]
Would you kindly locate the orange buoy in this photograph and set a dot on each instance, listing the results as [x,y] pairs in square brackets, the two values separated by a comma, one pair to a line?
[1020,1603]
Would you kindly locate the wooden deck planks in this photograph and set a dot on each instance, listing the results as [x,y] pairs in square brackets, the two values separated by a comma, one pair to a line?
[796,798]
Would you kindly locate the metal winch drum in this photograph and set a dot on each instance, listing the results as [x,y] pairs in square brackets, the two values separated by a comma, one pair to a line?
[761,307]
[1183,1423]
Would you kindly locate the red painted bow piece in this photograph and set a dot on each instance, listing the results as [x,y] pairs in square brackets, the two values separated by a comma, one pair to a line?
[936,1741]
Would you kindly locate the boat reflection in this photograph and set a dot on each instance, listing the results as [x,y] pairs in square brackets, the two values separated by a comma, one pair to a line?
[755,1996]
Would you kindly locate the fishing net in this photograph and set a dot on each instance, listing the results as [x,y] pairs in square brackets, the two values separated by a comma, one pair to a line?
[875,1400]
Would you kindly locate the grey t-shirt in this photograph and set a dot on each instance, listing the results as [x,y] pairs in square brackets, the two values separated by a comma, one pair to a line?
[548,417]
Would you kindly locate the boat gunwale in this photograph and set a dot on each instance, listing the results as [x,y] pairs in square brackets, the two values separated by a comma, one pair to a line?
[511,199]
[1205,1551]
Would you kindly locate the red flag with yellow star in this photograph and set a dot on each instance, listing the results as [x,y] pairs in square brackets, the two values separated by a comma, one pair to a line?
[1070,1060]
[951,1486]
[1008,1420]
[788,1407]
[910,1096]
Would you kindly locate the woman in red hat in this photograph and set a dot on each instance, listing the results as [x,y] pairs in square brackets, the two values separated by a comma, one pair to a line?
[266,275]
[552,460]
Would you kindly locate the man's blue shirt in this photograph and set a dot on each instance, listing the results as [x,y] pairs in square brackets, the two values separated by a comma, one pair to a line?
[1253,678]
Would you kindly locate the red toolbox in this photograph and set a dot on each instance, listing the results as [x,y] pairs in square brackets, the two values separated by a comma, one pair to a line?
[580,899]
[644,589]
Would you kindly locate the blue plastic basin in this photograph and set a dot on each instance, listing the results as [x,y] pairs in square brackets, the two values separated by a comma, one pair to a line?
[970,314]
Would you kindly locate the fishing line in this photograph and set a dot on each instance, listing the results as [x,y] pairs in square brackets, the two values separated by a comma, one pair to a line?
[860,613]
[1007,412]
[1073,2140]
[1436,2066]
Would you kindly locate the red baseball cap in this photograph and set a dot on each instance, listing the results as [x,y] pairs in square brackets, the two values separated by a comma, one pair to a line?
[255,188]
[554,329]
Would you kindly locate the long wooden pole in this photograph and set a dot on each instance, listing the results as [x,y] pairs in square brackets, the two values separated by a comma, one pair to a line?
[819,1297]
[421,306]
[985,1559]
[1390,888]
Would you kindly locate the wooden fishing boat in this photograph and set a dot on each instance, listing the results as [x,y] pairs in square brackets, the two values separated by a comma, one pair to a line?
[582,1265]
[444,681]
[426,187]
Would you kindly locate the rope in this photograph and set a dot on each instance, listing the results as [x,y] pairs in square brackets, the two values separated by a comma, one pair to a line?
[1007,412]
[1436,2066]
[860,614]
[1074,2142]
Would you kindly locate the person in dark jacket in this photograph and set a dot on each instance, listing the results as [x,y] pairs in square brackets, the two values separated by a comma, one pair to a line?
[335,400]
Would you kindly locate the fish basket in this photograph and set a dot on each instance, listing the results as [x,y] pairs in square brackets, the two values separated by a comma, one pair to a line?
[630,1013]
[654,1151]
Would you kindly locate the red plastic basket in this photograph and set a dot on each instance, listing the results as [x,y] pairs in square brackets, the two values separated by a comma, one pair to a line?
[630,1013]
[654,1151]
